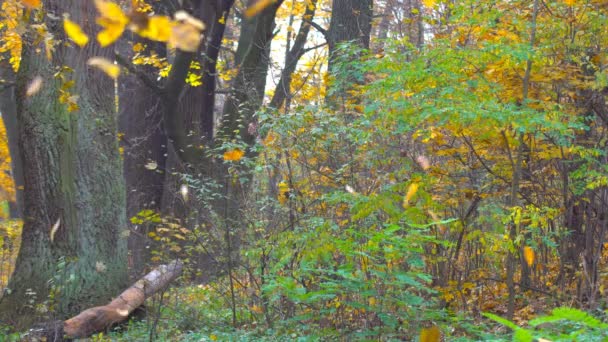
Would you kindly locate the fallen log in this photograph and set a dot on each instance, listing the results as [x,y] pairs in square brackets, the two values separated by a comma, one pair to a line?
[100,318]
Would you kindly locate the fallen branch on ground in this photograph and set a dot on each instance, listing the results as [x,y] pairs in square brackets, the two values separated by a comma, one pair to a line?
[100,318]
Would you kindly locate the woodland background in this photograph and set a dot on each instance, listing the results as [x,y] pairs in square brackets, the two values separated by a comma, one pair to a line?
[326,170]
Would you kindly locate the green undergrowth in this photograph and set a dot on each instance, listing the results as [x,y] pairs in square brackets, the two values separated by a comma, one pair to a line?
[199,314]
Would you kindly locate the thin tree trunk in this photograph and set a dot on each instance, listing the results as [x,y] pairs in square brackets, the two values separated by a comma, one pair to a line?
[517,169]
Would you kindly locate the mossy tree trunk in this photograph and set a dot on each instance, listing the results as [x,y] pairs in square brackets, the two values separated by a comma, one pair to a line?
[73,250]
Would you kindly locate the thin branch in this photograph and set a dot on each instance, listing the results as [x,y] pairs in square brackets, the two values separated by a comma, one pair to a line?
[318,27]
[143,77]
[314,47]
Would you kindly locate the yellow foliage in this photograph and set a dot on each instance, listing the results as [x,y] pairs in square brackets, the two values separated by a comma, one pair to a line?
[7,187]
[12,28]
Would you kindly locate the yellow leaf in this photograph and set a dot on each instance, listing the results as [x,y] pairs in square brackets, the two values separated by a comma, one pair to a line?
[257,309]
[113,20]
[429,3]
[213,337]
[411,191]
[185,37]
[234,155]
[185,18]
[283,192]
[31,3]
[105,65]
[431,334]
[257,7]
[529,255]
[570,2]
[158,29]
[75,33]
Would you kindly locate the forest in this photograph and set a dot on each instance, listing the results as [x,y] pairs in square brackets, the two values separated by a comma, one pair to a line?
[304,170]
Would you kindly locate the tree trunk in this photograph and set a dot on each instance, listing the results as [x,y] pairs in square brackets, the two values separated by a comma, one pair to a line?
[252,58]
[8,108]
[73,250]
[351,22]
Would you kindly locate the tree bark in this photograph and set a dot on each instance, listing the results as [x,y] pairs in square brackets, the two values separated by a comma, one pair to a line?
[283,89]
[8,108]
[351,22]
[73,251]
[252,59]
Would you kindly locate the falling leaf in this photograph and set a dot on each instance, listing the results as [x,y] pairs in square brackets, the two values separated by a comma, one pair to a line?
[257,7]
[31,3]
[183,190]
[570,2]
[431,334]
[100,267]
[34,86]
[55,228]
[234,155]
[423,162]
[185,37]
[411,191]
[151,165]
[105,65]
[158,28]
[529,255]
[113,20]
[75,33]
[186,18]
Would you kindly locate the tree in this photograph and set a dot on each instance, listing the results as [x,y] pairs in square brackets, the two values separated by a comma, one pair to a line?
[73,250]
[351,23]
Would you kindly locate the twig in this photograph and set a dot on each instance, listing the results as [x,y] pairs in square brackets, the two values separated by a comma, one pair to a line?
[140,74]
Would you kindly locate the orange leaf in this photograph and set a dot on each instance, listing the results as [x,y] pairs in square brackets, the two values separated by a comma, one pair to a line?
[234,155]
[257,7]
[31,3]
[529,255]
